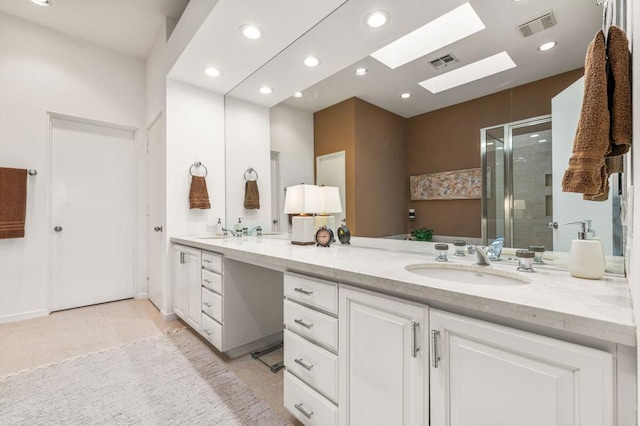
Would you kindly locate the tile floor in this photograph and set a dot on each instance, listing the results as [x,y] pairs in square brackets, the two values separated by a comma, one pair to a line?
[31,343]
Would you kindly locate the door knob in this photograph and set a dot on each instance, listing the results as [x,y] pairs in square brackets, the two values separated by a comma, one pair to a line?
[275,221]
[552,225]
[158,229]
[58,228]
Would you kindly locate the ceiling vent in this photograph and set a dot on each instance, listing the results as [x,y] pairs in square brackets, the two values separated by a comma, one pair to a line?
[443,61]
[537,24]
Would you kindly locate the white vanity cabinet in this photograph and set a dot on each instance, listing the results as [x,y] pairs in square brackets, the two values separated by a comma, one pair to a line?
[487,374]
[384,355]
[186,284]
[310,349]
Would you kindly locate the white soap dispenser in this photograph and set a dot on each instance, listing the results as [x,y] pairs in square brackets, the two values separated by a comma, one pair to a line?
[585,256]
[219,227]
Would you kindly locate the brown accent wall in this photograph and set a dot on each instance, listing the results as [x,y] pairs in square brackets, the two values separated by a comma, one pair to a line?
[373,141]
[449,139]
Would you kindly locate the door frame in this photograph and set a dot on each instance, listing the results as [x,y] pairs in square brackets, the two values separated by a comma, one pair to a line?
[136,196]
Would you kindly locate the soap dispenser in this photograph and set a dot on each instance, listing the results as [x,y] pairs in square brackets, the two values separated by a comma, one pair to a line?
[219,227]
[585,256]
[239,227]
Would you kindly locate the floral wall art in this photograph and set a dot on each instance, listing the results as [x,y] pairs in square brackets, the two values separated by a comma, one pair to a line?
[453,185]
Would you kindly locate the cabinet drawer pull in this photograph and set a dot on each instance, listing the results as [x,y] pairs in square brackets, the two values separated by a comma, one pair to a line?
[306,413]
[206,280]
[414,338]
[301,362]
[434,348]
[303,323]
[209,332]
[207,260]
[182,260]
[303,291]
[207,304]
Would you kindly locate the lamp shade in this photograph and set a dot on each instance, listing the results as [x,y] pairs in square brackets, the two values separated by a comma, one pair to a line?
[302,199]
[330,200]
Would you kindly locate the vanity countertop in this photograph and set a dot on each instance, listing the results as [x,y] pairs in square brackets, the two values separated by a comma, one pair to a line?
[596,308]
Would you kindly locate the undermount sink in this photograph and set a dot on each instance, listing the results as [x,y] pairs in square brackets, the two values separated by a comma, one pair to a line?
[213,237]
[468,274]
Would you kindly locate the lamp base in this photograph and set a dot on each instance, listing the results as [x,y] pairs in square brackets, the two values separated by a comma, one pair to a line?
[303,232]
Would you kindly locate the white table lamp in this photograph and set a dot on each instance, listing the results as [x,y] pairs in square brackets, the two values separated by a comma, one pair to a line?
[329,203]
[303,201]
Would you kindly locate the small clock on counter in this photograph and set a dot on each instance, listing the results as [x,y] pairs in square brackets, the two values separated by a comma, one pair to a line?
[324,237]
[344,235]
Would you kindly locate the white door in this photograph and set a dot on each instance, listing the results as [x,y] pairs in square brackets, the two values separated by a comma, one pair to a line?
[92,215]
[487,374]
[383,356]
[155,210]
[569,206]
[179,282]
[330,171]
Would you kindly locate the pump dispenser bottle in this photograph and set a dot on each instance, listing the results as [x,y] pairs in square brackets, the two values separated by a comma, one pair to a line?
[585,256]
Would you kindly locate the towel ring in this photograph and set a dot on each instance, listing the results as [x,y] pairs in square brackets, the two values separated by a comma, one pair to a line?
[196,165]
[250,171]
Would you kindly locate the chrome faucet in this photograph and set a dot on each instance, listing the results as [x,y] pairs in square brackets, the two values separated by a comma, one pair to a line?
[481,256]
[495,249]
[226,231]
[258,230]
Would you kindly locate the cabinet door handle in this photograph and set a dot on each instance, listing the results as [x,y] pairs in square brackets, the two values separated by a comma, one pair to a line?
[303,291]
[434,348]
[206,280]
[182,261]
[414,338]
[207,304]
[306,413]
[209,332]
[301,362]
[207,260]
[303,323]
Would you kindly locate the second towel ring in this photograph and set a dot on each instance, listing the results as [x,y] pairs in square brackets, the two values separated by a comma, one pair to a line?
[196,165]
[249,172]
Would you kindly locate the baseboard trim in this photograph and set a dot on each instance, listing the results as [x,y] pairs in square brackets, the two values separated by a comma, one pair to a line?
[24,316]
[141,296]
[171,316]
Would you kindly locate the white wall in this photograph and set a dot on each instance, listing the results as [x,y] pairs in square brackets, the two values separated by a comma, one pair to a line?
[292,137]
[247,145]
[195,132]
[40,71]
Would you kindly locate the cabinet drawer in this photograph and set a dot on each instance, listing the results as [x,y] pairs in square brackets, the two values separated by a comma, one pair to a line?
[212,262]
[212,331]
[212,281]
[212,304]
[313,365]
[312,324]
[312,291]
[307,405]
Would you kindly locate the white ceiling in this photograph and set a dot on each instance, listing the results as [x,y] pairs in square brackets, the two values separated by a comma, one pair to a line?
[334,31]
[126,26]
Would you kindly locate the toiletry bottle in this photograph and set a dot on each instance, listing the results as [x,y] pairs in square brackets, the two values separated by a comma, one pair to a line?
[239,227]
[585,256]
[219,227]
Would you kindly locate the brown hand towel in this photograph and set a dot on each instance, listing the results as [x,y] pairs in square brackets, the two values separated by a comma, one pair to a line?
[198,194]
[13,202]
[251,195]
[586,166]
[619,92]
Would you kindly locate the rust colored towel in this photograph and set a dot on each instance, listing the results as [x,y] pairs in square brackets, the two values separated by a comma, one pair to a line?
[251,195]
[198,194]
[586,173]
[13,202]
[619,92]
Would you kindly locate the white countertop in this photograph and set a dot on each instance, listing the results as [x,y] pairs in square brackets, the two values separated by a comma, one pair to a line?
[596,308]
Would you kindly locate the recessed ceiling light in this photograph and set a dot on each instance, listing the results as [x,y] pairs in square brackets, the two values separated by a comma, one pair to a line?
[542,140]
[472,72]
[251,31]
[455,25]
[361,71]
[535,135]
[298,95]
[42,2]
[405,95]
[311,61]
[547,46]
[266,90]
[212,71]
[377,18]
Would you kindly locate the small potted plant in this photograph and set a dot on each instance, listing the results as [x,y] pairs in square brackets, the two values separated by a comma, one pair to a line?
[422,234]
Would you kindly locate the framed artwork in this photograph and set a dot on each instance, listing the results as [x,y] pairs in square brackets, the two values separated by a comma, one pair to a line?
[453,185]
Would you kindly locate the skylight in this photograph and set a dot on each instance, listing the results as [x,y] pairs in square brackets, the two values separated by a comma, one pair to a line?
[472,72]
[455,25]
